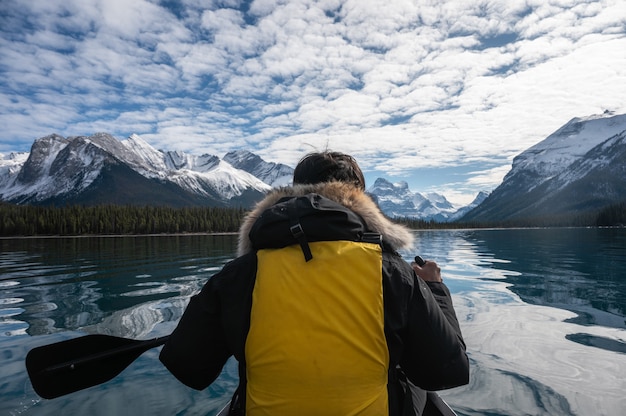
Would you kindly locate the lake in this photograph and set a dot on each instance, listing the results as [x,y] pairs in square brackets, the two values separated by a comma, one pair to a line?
[542,312]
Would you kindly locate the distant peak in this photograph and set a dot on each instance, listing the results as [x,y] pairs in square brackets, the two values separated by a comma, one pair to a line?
[238,156]
[603,115]
[384,183]
[240,152]
[136,138]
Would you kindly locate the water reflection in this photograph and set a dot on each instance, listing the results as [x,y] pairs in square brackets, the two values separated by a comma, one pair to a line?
[581,270]
[135,287]
[72,283]
[599,342]
[543,316]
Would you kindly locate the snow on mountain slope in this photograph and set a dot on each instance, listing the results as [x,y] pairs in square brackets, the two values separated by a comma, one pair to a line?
[222,179]
[10,165]
[198,174]
[397,200]
[464,210]
[60,169]
[41,157]
[274,174]
[566,145]
[58,166]
[577,170]
[598,158]
[176,160]
[144,157]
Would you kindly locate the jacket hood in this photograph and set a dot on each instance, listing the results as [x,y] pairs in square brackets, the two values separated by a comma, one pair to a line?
[396,235]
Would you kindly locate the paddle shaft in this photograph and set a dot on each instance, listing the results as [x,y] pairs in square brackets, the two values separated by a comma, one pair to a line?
[135,346]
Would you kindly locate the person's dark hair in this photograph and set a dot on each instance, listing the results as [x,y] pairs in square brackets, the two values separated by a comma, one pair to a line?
[328,166]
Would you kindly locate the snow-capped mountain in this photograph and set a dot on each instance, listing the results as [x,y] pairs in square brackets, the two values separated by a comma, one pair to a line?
[101,169]
[274,174]
[397,200]
[482,195]
[10,166]
[578,169]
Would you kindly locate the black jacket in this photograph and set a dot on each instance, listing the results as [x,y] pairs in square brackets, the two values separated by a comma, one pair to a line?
[421,329]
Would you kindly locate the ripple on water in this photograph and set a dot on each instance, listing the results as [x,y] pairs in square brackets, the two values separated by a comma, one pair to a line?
[12,327]
[6,312]
[159,289]
[210,269]
[11,301]
[42,307]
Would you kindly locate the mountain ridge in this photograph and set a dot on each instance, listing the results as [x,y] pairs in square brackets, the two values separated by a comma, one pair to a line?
[578,169]
[397,200]
[101,169]
[60,170]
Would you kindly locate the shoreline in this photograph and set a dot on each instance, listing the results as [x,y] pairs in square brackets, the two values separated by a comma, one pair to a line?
[117,235]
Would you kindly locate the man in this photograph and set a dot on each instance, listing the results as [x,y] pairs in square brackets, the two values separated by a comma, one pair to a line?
[322,313]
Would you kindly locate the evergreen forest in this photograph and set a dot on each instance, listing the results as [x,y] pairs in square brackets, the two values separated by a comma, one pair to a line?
[27,220]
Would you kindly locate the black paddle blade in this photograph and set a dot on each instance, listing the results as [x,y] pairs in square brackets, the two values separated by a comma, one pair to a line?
[68,366]
[435,406]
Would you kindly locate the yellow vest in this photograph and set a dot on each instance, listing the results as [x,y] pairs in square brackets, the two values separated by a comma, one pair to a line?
[316,344]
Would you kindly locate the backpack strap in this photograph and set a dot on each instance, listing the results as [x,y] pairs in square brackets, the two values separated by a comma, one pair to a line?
[296,229]
[373,238]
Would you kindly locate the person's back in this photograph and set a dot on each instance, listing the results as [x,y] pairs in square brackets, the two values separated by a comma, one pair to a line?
[319,347]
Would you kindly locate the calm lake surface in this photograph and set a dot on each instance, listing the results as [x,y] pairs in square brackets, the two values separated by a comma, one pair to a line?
[542,311]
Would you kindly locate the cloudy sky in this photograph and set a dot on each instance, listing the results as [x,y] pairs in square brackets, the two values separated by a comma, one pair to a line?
[440,94]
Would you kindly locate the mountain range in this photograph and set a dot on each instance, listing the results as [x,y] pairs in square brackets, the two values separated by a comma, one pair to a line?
[397,200]
[100,169]
[579,168]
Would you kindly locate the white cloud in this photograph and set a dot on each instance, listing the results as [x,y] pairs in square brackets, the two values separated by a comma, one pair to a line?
[401,85]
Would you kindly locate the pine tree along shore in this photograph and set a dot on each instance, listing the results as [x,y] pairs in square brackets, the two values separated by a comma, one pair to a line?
[27,220]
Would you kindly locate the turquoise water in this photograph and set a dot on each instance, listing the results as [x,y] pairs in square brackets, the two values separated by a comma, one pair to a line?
[542,311]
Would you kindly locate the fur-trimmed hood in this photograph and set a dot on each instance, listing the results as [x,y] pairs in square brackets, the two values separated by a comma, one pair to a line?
[342,193]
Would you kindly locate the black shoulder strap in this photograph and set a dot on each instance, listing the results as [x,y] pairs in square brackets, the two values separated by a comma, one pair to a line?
[296,229]
[374,238]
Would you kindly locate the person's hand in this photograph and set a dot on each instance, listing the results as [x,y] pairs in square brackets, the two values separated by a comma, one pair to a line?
[429,271]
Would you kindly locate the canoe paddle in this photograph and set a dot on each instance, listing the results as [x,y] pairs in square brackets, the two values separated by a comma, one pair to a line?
[68,366]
